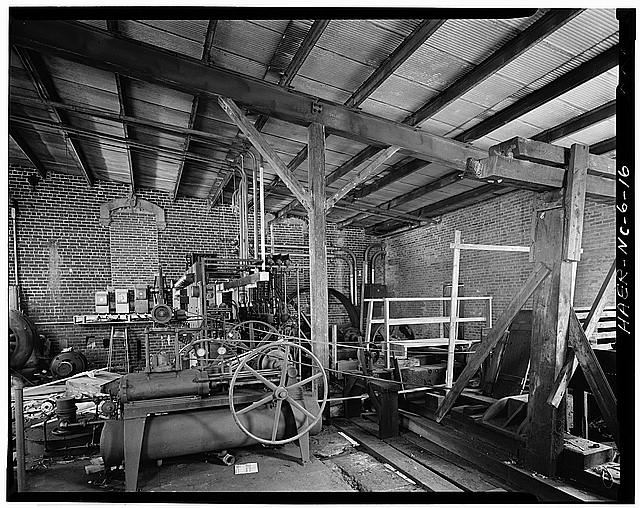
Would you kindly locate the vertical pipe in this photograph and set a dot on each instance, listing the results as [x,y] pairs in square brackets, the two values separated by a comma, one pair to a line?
[271,237]
[386,333]
[262,231]
[453,320]
[16,385]
[147,349]
[15,248]
[254,181]
[334,341]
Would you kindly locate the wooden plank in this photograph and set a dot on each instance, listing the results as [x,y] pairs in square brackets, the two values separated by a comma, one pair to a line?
[453,315]
[568,81]
[363,175]
[419,449]
[555,155]
[538,275]
[574,202]
[265,149]
[97,48]
[594,375]
[387,454]
[470,449]
[501,248]
[318,278]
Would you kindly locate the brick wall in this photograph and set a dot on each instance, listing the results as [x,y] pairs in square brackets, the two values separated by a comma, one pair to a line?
[419,262]
[65,255]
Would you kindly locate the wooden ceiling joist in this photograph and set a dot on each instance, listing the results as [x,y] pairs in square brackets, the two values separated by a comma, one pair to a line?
[546,25]
[27,151]
[315,31]
[400,55]
[604,146]
[113,26]
[41,80]
[205,59]
[578,123]
[568,81]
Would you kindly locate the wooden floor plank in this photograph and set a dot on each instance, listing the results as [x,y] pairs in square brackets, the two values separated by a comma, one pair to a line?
[546,489]
[470,480]
[411,468]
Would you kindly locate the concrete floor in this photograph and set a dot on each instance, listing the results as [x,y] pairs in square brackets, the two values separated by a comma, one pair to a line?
[335,466]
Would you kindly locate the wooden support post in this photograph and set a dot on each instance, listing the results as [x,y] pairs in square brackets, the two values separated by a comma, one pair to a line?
[318,281]
[453,309]
[540,272]
[594,375]
[590,325]
[556,229]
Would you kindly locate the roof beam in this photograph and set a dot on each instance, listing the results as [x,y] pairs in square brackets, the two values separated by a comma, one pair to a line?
[315,31]
[563,84]
[604,146]
[112,26]
[205,59]
[411,195]
[97,48]
[506,54]
[443,206]
[568,81]
[41,80]
[395,173]
[399,55]
[125,128]
[309,41]
[546,25]
[26,150]
[578,123]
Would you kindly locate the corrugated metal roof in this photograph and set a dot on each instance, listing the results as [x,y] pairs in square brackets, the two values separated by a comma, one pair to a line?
[345,55]
[591,135]
[144,32]
[359,40]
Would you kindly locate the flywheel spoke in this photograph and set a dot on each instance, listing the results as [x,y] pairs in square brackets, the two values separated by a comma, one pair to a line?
[305,381]
[256,404]
[300,407]
[285,364]
[269,384]
[274,432]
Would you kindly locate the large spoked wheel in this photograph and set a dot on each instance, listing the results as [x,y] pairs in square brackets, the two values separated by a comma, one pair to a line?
[279,391]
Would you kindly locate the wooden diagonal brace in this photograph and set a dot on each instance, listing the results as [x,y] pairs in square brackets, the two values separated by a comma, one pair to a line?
[362,176]
[261,144]
[590,325]
[536,278]
[594,375]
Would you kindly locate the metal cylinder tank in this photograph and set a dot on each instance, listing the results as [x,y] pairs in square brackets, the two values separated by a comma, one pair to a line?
[205,430]
[157,385]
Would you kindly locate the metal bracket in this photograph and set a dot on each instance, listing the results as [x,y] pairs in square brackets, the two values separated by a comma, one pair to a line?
[316,107]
